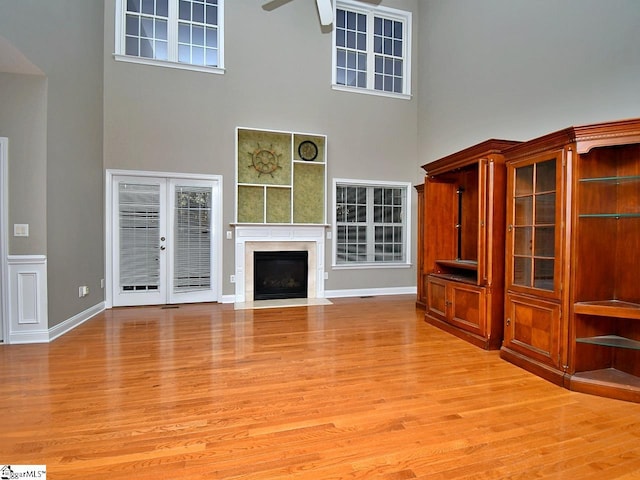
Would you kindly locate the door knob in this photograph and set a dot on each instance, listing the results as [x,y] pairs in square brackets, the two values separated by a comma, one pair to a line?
[163,247]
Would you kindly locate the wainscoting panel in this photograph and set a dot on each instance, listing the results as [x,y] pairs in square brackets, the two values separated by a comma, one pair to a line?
[28,299]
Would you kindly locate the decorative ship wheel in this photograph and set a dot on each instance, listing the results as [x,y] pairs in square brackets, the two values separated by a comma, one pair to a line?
[265,160]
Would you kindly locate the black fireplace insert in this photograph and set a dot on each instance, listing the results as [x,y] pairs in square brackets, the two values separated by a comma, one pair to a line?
[280,274]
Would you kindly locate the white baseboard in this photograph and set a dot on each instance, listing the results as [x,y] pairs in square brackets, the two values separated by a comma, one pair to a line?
[370,292]
[228,299]
[31,336]
[73,322]
[355,292]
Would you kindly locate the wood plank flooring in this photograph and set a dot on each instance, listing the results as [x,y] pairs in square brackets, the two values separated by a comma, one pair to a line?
[362,388]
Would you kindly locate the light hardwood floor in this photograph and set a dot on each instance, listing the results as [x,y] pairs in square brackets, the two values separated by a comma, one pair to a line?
[363,388]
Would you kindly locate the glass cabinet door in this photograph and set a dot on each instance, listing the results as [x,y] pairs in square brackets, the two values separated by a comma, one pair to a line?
[533,225]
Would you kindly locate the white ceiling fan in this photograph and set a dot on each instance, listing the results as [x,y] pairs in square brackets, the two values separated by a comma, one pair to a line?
[325,9]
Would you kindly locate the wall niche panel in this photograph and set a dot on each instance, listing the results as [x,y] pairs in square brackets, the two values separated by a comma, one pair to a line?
[280,177]
[308,193]
[278,205]
[250,204]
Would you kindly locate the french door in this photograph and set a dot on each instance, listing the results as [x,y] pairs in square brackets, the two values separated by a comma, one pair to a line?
[164,240]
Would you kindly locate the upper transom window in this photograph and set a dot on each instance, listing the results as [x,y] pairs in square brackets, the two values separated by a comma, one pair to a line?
[372,46]
[179,33]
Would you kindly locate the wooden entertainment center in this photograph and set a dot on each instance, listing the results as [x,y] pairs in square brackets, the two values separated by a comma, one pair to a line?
[570,260]
[463,243]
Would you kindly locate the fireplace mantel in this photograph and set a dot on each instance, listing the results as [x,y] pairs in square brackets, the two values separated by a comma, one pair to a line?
[278,237]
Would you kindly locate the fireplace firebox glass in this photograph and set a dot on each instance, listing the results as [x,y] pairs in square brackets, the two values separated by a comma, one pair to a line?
[280,274]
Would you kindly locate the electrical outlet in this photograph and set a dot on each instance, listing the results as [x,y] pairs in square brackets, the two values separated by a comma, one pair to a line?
[229,234]
[83,291]
[232,278]
[102,283]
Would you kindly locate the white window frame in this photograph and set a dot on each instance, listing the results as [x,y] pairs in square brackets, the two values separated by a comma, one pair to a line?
[406,225]
[120,55]
[371,11]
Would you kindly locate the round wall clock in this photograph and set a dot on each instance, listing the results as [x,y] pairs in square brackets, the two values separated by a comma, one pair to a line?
[308,150]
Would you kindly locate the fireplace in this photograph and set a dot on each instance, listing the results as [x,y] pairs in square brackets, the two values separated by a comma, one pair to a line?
[278,238]
[279,274]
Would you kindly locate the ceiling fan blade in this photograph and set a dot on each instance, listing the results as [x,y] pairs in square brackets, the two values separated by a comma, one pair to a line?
[325,10]
[273,4]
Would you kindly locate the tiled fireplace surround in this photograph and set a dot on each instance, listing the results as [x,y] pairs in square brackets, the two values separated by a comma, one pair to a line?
[264,237]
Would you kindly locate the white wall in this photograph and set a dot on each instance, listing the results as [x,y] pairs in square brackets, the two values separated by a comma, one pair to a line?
[517,69]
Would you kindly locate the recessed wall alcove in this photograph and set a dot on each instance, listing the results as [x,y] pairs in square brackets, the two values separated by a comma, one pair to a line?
[281,180]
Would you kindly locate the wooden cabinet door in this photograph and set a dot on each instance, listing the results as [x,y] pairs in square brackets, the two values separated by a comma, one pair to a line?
[458,304]
[534,225]
[533,328]
[437,301]
[467,308]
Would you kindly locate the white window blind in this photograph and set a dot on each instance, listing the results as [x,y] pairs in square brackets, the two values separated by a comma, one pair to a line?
[192,234]
[139,213]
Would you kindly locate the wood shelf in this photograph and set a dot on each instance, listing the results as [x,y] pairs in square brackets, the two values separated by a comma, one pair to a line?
[461,264]
[610,376]
[608,382]
[617,216]
[471,280]
[615,180]
[609,308]
[614,341]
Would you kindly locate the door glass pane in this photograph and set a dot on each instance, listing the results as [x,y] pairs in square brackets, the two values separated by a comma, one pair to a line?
[543,273]
[544,241]
[524,180]
[139,220]
[546,176]
[522,271]
[192,237]
[523,240]
[524,210]
[546,209]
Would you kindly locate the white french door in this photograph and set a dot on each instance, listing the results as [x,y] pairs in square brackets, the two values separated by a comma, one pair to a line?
[164,240]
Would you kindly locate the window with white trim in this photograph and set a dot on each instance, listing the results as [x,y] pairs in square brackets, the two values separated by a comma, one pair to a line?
[179,33]
[372,46]
[371,225]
